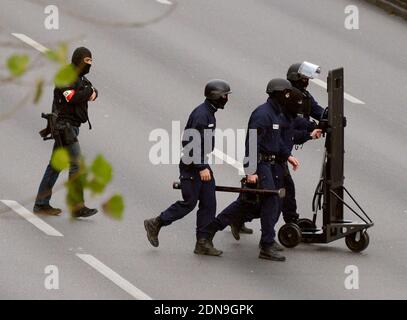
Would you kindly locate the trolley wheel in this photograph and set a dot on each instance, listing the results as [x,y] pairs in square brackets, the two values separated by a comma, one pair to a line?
[358,241]
[289,235]
[306,224]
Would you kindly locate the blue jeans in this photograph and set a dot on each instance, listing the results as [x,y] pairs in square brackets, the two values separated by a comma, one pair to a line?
[51,175]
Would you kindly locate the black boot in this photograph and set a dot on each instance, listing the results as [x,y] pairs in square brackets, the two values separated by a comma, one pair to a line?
[244,229]
[291,218]
[235,228]
[276,246]
[270,254]
[205,247]
[84,212]
[47,210]
[211,229]
[153,227]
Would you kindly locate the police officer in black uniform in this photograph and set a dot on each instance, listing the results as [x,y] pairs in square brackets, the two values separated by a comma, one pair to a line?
[268,167]
[197,180]
[299,74]
[71,106]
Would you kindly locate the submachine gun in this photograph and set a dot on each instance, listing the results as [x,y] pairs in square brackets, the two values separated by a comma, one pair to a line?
[329,196]
[51,132]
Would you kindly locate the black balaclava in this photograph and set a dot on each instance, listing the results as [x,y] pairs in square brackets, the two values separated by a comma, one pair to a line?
[220,102]
[294,105]
[282,97]
[77,60]
[301,84]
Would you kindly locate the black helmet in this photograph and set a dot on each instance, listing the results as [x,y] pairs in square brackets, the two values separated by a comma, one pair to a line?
[302,70]
[278,84]
[293,72]
[216,88]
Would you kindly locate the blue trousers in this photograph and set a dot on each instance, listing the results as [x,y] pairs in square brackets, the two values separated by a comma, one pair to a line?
[289,204]
[51,175]
[268,210]
[193,190]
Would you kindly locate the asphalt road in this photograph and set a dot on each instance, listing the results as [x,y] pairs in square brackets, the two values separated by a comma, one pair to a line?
[153,75]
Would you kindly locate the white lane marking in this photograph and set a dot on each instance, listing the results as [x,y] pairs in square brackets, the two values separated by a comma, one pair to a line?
[347,96]
[31,42]
[164,2]
[229,160]
[32,218]
[113,276]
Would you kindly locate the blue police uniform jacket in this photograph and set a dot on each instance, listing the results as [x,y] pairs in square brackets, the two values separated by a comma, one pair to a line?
[266,119]
[303,125]
[202,119]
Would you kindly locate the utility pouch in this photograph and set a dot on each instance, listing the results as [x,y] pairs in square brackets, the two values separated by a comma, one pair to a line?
[248,197]
[68,134]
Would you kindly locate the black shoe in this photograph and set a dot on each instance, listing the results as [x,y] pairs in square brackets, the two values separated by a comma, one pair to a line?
[84,213]
[270,254]
[153,227]
[47,210]
[235,228]
[205,247]
[211,236]
[276,246]
[291,218]
[244,229]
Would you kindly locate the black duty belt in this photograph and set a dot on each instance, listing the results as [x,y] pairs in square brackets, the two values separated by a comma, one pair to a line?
[272,158]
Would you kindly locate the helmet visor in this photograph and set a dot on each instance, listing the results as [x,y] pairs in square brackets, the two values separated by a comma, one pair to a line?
[309,70]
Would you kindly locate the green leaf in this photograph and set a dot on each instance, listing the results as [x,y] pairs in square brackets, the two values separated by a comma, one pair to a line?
[102,170]
[114,207]
[59,55]
[65,76]
[39,86]
[95,186]
[60,159]
[17,64]
[75,186]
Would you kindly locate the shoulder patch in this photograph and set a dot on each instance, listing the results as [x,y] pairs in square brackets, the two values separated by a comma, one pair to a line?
[68,94]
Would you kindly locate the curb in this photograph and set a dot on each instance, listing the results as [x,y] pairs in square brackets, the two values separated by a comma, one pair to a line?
[397,7]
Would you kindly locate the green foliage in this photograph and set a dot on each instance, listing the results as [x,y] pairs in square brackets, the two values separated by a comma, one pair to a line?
[114,207]
[65,76]
[94,178]
[17,64]
[102,174]
[75,186]
[59,55]
[60,159]
[39,88]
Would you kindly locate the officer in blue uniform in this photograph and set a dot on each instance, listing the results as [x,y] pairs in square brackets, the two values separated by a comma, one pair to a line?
[265,167]
[304,129]
[196,176]
[296,129]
